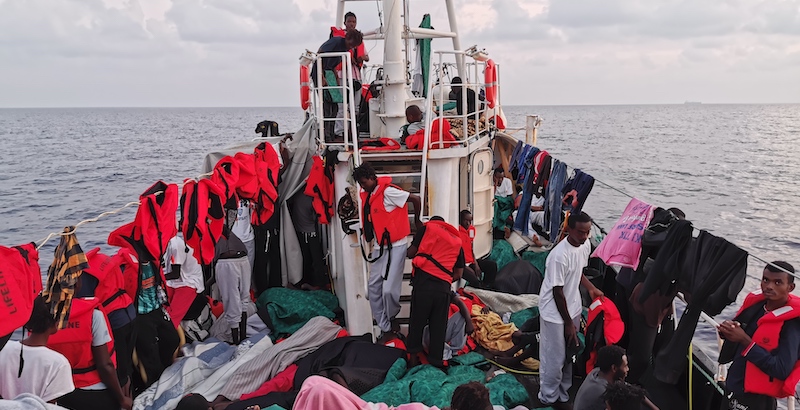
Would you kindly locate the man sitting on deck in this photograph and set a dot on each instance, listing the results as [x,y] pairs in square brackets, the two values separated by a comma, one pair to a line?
[762,341]
[612,366]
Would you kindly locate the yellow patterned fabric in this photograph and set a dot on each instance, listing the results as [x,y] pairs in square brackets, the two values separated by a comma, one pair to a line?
[493,334]
[62,276]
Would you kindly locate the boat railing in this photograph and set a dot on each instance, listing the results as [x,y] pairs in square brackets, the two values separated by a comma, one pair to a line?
[722,369]
[437,82]
[345,88]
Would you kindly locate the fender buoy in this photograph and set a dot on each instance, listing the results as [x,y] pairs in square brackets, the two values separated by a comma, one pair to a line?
[305,90]
[490,78]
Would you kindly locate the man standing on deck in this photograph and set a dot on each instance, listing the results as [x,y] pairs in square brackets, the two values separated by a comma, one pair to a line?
[560,310]
[333,97]
[385,218]
[763,341]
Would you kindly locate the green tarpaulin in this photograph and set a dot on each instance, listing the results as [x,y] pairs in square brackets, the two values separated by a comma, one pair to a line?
[290,309]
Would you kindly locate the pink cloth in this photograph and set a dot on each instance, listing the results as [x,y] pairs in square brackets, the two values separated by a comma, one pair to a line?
[623,245]
[321,393]
[180,300]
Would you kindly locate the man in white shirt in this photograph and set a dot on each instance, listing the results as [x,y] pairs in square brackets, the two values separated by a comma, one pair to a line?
[503,186]
[184,277]
[385,223]
[43,372]
[560,310]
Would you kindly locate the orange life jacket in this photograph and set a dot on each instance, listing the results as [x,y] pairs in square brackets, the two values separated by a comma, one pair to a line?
[767,335]
[75,342]
[394,223]
[246,183]
[201,218]
[20,282]
[467,236]
[267,167]
[110,291]
[226,176]
[438,251]
[319,187]
[155,219]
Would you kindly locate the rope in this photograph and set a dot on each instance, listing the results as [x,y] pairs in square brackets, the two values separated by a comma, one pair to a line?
[52,235]
[796,275]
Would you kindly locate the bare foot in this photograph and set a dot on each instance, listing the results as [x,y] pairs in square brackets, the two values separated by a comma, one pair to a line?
[253,407]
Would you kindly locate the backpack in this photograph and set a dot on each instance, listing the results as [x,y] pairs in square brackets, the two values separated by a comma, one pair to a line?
[347,211]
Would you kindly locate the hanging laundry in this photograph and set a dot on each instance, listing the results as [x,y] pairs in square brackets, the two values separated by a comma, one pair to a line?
[576,191]
[20,282]
[669,262]
[623,245]
[202,218]
[526,162]
[155,217]
[717,271]
[542,164]
[62,276]
[226,176]
[513,163]
[319,187]
[552,209]
[267,167]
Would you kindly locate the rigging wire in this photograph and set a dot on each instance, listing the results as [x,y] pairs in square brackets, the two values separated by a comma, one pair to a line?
[75,227]
[796,275]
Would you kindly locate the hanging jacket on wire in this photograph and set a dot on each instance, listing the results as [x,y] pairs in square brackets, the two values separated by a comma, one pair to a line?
[319,187]
[576,191]
[155,218]
[246,183]
[202,218]
[226,176]
[267,167]
[20,282]
[110,291]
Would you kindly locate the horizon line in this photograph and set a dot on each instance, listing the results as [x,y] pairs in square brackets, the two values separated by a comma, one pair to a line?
[694,103]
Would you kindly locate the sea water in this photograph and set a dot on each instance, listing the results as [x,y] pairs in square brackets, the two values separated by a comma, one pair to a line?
[733,169]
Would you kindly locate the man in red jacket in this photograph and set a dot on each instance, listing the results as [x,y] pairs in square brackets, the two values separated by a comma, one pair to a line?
[764,338]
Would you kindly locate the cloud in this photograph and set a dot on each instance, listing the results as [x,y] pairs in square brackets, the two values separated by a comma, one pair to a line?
[244,52]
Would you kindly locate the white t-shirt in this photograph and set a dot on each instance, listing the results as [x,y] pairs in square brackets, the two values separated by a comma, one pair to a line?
[531,232]
[191,271]
[564,267]
[393,198]
[277,146]
[100,336]
[506,188]
[46,373]
[242,228]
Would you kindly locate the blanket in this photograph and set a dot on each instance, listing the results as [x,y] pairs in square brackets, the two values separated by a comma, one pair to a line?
[288,309]
[263,367]
[493,334]
[203,370]
[504,302]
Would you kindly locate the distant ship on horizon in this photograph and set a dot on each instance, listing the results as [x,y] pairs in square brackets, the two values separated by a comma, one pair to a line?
[692,102]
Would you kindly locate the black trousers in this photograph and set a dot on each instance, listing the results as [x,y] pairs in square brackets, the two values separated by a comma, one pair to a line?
[89,400]
[156,341]
[428,307]
[267,269]
[314,271]
[123,345]
[748,401]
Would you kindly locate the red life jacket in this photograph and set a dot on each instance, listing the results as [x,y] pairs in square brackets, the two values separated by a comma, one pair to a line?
[414,141]
[438,251]
[319,187]
[767,335]
[202,218]
[226,176]
[155,219]
[246,184]
[75,343]
[467,236]
[395,223]
[612,326]
[267,166]
[110,291]
[20,282]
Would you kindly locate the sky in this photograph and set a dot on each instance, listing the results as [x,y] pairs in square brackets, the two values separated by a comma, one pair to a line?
[163,53]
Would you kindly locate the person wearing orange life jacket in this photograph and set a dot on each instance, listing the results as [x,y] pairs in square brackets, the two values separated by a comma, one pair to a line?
[358,56]
[385,218]
[438,260]
[87,343]
[763,341]
[105,276]
[478,272]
